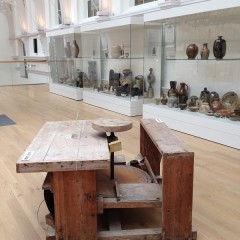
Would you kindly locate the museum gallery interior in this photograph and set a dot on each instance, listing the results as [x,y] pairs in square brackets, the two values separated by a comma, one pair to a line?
[120,119]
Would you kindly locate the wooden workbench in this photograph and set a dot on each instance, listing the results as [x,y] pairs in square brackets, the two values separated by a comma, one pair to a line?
[73,151]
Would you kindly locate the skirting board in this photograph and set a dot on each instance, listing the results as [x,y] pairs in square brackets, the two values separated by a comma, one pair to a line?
[121,105]
[219,130]
[66,91]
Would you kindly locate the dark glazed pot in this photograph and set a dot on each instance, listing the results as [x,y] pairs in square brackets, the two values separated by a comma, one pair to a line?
[192,51]
[219,48]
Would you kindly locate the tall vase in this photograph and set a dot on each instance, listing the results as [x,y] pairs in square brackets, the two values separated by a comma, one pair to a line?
[183,93]
[205,52]
[74,49]
[192,51]
[173,89]
[219,48]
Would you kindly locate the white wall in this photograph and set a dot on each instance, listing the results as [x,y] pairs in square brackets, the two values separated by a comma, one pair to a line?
[5,53]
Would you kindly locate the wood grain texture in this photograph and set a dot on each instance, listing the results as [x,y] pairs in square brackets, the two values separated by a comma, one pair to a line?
[177,178]
[75,204]
[66,146]
[111,125]
[216,192]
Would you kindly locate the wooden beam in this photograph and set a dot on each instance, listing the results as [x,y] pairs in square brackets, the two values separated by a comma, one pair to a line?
[136,234]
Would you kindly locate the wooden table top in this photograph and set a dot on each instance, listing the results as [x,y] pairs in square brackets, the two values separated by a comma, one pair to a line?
[66,146]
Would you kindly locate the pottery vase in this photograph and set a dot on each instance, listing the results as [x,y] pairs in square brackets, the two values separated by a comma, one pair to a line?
[205,96]
[172,101]
[192,102]
[204,107]
[192,51]
[219,48]
[173,89]
[205,52]
[216,104]
[183,93]
[116,51]
[74,49]
[164,99]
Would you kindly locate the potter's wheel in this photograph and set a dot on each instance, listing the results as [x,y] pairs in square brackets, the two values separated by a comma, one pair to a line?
[123,174]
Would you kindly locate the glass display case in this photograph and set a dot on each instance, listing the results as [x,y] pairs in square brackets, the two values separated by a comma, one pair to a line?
[112,58]
[65,63]
[195,60]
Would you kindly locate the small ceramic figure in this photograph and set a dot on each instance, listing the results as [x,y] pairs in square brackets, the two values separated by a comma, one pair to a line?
[150,80]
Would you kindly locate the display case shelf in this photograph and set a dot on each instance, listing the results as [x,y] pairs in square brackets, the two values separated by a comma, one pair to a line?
[203,60]
[123,105]
[219,130]
[66,91]
[65,62]
[113,63]
[170,32]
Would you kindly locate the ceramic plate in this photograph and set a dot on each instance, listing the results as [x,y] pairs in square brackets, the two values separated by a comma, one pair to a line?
[230,100]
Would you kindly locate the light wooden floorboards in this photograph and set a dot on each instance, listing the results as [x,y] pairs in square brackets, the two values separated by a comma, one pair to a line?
[216,203]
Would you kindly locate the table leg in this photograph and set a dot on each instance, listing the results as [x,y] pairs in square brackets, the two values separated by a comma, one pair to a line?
[75,205]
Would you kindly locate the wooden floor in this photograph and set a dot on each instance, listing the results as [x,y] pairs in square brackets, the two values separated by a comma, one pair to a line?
[216,203]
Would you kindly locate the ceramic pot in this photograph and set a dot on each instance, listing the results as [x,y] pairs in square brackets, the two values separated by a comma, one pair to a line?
[173,89]
[74,49]
[216,105]
[219,48]
[172,101]
[214,96]
[157,101]
[164,99]
[150,76]
[205,52]
[204,107]
[205,96]
[192,51]
[116,51]
[183,93]
[192,102]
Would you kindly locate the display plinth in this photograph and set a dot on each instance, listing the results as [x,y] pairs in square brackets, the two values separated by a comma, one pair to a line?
[219,130]
[113,103]
[66,91]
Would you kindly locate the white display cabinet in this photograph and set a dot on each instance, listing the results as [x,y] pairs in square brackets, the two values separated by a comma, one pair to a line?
[65,62]
[113,64]
[170,32]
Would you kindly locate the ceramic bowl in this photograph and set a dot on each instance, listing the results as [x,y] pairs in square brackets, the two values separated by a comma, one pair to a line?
[193,108]
[182,105]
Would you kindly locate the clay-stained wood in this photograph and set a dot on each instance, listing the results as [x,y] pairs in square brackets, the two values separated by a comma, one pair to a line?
[150,151]
[139,192]
[123,174]
[135,195]
[177,176]
[75,205]
[177,193]
[163,138]
[136,234]
[112,125]
[66,146]
[110,203]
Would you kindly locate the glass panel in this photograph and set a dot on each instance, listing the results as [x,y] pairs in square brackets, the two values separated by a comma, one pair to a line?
[179,43]
[113,61]
[65,59]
